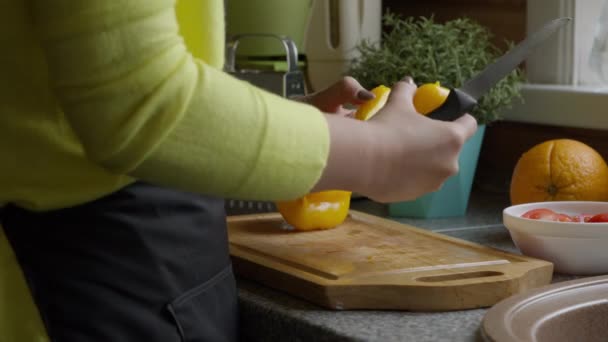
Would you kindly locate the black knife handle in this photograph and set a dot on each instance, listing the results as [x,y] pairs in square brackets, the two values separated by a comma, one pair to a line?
[456,105]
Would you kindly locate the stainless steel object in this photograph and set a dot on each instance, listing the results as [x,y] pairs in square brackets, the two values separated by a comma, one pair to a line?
[241,207]
[289,83]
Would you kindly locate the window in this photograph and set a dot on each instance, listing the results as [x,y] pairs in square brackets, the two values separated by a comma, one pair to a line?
[564,60]
[563,89]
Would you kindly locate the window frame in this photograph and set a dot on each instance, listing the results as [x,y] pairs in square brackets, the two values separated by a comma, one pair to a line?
[563,59]
[561,89]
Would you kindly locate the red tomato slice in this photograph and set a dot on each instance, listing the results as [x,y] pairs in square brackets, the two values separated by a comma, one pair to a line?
[602,217]
[564,218]
[582,217]
[541,214]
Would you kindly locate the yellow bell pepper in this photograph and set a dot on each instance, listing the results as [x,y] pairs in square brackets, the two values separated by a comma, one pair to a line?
[429,97]
[317,210]
[328,209]
[371,107]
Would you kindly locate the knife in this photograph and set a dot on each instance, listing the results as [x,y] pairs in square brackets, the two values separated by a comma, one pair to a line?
[462,100]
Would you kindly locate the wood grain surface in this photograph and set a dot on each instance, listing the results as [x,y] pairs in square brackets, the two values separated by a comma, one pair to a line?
[374,263]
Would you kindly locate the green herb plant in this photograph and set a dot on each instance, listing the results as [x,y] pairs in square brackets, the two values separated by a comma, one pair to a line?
[428,51]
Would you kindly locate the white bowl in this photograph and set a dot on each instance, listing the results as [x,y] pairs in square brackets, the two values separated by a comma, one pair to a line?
[512,219]
[573,247]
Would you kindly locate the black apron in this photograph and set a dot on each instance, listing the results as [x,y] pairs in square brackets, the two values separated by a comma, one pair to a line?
[142,264]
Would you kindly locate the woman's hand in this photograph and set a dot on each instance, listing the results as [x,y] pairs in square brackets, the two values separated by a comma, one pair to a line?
[397,155]
[332,99]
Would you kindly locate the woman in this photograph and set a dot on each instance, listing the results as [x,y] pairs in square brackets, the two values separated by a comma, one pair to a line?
[119,145]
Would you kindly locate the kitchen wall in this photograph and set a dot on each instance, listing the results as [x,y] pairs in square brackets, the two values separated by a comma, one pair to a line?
[505,18]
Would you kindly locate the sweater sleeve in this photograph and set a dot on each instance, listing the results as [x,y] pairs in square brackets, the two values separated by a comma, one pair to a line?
[143,106]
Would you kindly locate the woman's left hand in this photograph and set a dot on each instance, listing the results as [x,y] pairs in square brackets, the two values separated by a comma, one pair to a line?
[332,99]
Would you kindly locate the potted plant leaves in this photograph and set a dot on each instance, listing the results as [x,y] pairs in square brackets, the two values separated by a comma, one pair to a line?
[449,53]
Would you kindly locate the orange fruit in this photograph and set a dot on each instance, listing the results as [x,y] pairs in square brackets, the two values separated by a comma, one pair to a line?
[559,170]
[429,97]
[317,210]
[371,107]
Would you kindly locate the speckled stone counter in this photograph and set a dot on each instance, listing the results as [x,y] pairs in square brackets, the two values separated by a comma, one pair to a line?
[270,315]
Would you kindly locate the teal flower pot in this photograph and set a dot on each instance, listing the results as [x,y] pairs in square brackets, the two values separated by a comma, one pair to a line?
[453,197]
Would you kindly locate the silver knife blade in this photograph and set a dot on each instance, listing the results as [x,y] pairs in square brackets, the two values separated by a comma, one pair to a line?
[481,83]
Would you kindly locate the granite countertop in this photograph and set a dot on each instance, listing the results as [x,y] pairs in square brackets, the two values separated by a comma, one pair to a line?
[270,315]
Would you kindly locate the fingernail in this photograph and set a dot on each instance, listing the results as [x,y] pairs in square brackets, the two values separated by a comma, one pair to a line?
[365,95]
[408,79]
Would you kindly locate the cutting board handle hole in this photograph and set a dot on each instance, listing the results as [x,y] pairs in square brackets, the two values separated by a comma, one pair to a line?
[459,276]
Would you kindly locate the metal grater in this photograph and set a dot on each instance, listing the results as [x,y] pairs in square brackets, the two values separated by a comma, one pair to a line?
[242,207]
[286,84]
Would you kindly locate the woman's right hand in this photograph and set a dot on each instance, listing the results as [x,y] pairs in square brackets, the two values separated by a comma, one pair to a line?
[398,155]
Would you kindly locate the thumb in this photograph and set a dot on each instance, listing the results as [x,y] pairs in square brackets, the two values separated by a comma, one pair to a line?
[402,95]
[347,90]
[468,125]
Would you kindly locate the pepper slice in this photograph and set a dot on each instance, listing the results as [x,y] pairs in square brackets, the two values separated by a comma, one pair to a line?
[367,110]
[317,210]
[427,98]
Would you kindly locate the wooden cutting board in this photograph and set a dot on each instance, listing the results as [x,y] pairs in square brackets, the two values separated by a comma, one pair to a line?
[374,263]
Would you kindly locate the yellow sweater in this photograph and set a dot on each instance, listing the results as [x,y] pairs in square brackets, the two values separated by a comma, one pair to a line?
[95,94]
